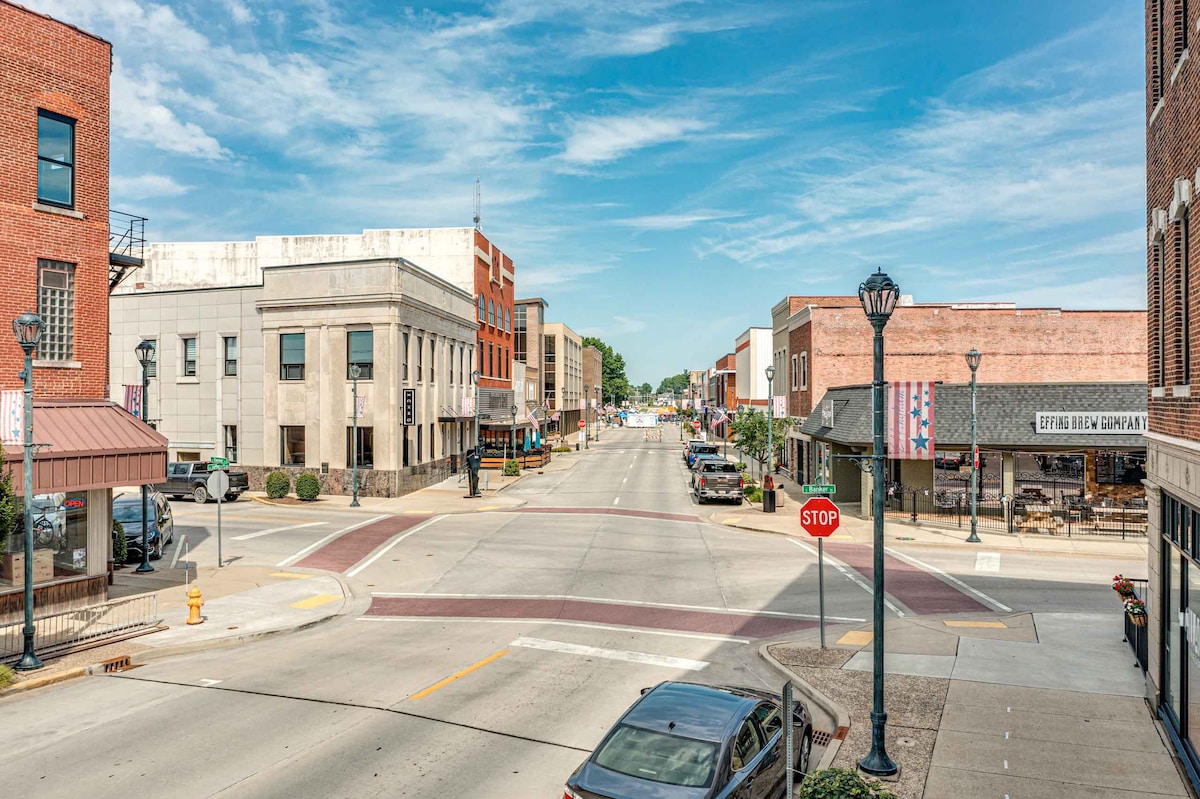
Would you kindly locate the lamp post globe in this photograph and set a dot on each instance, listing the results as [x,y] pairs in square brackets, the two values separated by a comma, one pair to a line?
[974,357]
[878,295]
[28,329]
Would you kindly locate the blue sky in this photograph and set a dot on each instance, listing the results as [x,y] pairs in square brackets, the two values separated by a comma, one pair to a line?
[661,171]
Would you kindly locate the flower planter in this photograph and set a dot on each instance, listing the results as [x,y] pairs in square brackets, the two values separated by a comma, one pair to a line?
[1138,621]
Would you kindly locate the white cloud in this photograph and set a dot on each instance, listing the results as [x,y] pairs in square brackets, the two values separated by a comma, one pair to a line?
[239,11]
[626,324]
[532,280]
[672,221]
[596,140]
[140,113]
[141,187]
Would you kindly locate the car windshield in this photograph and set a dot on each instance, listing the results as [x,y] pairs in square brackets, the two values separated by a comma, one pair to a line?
[659,757]
[131,512]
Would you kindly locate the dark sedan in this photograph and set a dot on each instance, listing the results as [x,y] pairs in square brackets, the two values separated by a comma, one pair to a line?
[687,741]
[127,509]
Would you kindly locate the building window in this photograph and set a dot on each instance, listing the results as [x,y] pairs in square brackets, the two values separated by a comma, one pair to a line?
[507,364]
[231,356]
[804,371]
[795,372]
[56,306]
[480,356]
[1120,468]
[420,450]
[1183,302]
[1181,28]
[291,446]
[366,447]
[406,450]
[1161,313]
[520,325]
[482,309]
[231,445]
[491,313]
[433,358]
[1156,51]
[420,358]
[507,321]
[189,356]
[404,359]
[291,357]
[152,366]
[360,352]
[491,361]
[56,159]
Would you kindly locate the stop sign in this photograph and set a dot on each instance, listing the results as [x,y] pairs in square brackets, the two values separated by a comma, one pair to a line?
[582,424]
[695,425]
[819,517]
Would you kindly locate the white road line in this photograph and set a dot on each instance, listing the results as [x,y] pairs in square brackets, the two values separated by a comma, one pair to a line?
[261,533]
[210,683]
[616,500]
[388,548]
[608,601]
[292,559]
[928,567]
[631,630]
[849,575]
[611,654]
[178,551]
[624,480]
[987,562]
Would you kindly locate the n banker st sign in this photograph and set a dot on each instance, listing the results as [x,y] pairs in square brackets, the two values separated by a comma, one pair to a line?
[1100,423]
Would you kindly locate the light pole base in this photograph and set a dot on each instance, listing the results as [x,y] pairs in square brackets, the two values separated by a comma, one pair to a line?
[974,538]
[354,503]
[144,568]
[29,661]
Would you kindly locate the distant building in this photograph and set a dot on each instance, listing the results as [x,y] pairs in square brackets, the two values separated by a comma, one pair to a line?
[562,376]
[593,379]
[752,353]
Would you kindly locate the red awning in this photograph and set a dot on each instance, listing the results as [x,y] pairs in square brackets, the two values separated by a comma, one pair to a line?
[82,443]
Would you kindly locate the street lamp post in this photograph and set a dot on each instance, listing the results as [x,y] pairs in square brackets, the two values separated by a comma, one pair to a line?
[770,416]
[28,329]
[878,295]
[974,356]
[475,382]
[355,373]
[512,433]
[587,389]
[145,355]
[596,410]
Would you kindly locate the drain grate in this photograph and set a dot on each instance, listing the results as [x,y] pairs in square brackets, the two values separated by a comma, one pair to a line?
[116,664]
[822,738]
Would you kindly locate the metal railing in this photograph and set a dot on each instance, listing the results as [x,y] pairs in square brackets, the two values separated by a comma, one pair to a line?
[1135,634]
[126,245]
[68,629]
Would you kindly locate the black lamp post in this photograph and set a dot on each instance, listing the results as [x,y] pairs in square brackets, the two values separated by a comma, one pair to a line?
[355,373]
[513,432]
[878,295]
[596,410]
[475,375]
[28,329]
[587,389]
[145,355]
[974,356]
[770,416]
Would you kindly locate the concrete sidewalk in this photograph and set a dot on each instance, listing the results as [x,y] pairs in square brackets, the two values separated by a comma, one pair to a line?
[786,521]
[1031,704]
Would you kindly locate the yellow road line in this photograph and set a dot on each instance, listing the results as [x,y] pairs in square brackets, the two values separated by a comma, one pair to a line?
[315,601]
[474,667]
[992,624]
[856,638]
[291,575]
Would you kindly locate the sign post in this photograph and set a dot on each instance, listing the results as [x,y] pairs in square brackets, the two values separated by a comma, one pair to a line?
[218,484]
[789,738]
[819,517]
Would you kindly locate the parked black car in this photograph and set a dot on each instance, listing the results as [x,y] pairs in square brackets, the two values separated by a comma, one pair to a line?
[127,509]
[687,741]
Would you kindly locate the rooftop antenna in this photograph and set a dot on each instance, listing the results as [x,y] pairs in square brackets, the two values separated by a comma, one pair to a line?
[478,205]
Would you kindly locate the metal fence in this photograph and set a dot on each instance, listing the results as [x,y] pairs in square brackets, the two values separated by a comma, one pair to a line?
[1135,635]
[58,632]
[1032,512]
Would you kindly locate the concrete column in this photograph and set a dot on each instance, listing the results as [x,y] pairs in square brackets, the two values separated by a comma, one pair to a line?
[1008,474]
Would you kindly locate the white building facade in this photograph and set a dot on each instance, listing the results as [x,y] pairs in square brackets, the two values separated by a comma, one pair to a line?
[752,352]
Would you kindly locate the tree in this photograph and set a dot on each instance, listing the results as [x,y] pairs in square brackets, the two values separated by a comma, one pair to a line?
[614,384]
[646,389]
[8,504]
[675,384]
[750,429]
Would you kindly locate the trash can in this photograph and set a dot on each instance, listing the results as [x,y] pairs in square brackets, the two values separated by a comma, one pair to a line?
[768,501]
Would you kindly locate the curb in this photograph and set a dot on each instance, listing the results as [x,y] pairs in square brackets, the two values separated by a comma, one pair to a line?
[157,653]
[841,717]
[34,683]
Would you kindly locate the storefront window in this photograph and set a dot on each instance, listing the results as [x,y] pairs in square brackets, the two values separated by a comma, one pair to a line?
[59,541]
[1173,599]
[1127,468]
[1193,656]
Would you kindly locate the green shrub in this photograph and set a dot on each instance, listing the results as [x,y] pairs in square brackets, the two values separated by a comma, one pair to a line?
[308,487]
[741,466]
[841,783]
[278,485]
[512,467]
[6,676]
[120,545]
[561,449]
[753,493]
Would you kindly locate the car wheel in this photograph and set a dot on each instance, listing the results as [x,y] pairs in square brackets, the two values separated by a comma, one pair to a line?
[232,497]
[157,552]
[805,754]
[200,494]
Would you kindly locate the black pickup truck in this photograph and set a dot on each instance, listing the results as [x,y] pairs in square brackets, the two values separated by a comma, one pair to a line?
[192,478]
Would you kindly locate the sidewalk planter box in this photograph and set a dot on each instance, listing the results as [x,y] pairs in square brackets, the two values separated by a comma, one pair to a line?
[12,567]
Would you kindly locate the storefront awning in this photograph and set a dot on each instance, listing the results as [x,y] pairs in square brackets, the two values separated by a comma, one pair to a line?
[83,444]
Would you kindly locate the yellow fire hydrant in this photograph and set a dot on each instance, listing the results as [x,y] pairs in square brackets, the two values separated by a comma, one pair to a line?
[194,604]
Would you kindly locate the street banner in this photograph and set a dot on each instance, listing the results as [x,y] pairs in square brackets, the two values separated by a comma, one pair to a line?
[360,406]
[468,406]
[910,420]
[12,416]
[533,420]
[779,406]
[133,400]
[554,418]
[718,417]
[582,404]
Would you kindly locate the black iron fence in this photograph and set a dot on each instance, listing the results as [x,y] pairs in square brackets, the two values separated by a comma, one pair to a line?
[1135,634]
[1051,513]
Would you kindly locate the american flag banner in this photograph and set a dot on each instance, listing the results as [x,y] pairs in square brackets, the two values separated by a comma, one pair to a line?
[533,419]
[12,417]
[718,417]
[133,400]
[910,420]
[554,418]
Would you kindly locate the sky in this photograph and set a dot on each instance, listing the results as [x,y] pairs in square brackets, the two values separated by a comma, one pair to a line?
[662,172]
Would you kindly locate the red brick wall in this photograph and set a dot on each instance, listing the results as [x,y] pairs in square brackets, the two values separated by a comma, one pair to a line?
[46,64]
[490,282]
[800,401]
[929,342]
[1172,151]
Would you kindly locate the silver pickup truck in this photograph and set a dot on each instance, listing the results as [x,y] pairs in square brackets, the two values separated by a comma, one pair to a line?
[717,479]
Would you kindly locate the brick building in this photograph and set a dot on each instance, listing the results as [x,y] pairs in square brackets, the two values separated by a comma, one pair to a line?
[723,388]
[593,382]
[1173,439]
[56,260]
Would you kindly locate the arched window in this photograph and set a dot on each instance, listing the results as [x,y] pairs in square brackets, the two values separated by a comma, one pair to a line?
[491,313]
[482,311]
[507,321]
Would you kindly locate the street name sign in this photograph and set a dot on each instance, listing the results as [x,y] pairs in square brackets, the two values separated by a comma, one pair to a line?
[818,489]
[819,517]
[220,463]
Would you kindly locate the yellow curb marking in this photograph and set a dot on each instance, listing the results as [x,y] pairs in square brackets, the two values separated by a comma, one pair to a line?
[291,575]
[731,521]
[991,624]
[316,601]
[458,675]
[856,638]
[489,507]
[845,537]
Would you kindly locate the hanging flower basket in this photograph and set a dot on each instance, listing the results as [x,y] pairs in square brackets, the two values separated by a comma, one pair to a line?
[1123,586]
[1136,609]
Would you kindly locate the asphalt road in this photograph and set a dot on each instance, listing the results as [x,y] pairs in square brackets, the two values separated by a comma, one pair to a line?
[487,653]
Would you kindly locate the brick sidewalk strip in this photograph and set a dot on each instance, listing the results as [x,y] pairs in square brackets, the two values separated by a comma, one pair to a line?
[919,590]
[695,621]
[342,553]
[642,514]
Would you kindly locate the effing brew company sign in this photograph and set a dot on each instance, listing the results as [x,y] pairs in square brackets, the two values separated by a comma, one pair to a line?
[1099,423]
